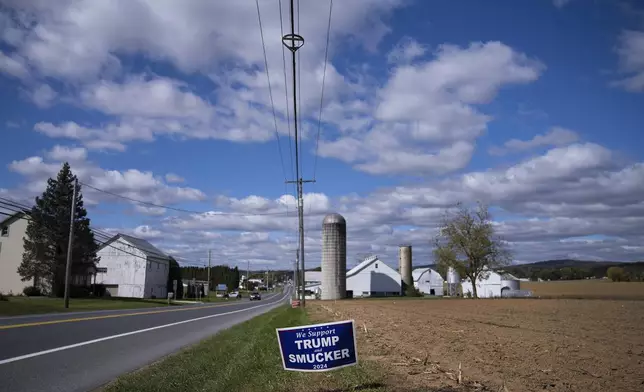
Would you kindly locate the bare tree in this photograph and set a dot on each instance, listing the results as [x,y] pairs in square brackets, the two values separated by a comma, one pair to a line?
[466,242]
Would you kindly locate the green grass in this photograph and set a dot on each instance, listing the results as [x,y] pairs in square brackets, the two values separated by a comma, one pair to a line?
[245,358]
[31,305]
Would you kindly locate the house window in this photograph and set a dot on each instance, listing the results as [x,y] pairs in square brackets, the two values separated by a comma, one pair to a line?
[101,270]
[158,266]
[376,265]
[5,231]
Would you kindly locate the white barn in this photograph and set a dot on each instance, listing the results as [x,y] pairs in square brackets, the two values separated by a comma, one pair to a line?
[312,284]
[494,285]
[428,281]
[373,278]
[132,267]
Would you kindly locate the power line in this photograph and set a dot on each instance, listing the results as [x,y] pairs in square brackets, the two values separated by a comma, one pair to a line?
[179,209]
[101,237]
[326,54]
[299,87]
[288,110]
[270,90]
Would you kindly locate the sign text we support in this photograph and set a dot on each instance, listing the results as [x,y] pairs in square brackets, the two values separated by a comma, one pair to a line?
[320,347]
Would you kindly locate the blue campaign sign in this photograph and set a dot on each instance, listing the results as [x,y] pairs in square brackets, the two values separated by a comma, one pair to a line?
[319,347]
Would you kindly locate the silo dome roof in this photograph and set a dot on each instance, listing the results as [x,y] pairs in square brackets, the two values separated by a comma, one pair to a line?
[334,218]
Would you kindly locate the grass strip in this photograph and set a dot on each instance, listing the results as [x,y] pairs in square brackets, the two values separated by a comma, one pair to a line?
[245,358]
[15,306]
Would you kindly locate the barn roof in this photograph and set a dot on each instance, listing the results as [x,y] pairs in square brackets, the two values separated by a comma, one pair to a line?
[139,243]
[363,264]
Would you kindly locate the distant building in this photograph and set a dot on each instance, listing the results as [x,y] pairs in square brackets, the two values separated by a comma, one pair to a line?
[312,284]
[495,284]
[12,232]
[132,267]
[373,278]
[428,281]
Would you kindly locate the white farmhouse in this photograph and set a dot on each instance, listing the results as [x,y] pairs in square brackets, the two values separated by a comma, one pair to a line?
[494,284]
[132,267]
[12,233]
[428,281]
[373,278]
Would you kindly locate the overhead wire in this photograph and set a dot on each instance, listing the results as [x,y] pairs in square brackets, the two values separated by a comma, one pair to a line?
[288,110]
[177,208]
[299,91]
[270,90]
[326,55]
[101,237]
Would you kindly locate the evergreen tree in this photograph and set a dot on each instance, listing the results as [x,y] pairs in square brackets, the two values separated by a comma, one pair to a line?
[47,236]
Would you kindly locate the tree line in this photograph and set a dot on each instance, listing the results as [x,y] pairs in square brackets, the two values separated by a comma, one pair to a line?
[218,274]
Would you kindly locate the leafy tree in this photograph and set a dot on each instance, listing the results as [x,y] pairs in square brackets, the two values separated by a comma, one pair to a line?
[467,242]
[175,274]
[47,236]
[616,274]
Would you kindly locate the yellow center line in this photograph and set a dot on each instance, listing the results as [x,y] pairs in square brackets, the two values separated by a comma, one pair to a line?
[73,320]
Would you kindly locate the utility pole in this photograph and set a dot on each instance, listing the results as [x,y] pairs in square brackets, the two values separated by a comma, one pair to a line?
[293,42]
[296,273]
[70,242]
[209,252]
[247,275]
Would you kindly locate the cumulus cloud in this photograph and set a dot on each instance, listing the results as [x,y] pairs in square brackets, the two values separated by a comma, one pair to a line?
[631,56]
[70,154]
[556,136]
[427,121]
[132,183]
[43,96]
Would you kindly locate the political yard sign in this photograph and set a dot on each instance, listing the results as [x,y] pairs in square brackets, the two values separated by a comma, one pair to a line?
[319,347]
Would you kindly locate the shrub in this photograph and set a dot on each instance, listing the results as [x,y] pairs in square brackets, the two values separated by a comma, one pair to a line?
[31,291]
[3,297]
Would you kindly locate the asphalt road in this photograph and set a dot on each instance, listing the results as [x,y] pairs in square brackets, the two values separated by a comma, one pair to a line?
[83,351]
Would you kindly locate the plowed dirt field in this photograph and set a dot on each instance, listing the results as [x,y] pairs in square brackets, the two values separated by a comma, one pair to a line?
[501,345]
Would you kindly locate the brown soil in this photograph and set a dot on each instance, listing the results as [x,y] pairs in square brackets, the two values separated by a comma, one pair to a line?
[501,345]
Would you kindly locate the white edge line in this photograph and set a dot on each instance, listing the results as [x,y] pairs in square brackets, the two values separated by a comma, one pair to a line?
[53,350]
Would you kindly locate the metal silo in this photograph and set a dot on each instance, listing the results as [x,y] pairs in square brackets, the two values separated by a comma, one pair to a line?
[453,280]
[334,257]
[404,266]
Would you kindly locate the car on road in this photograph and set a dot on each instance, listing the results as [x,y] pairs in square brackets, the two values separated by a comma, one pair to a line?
[235,294]
[255,296]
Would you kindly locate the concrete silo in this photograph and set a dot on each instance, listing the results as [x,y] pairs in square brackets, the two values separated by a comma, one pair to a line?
[404,266]
[334,257]
[453,280]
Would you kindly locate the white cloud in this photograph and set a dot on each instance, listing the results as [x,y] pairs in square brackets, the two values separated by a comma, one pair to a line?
[132,183]
[426,118]
[405,51]
[138,96]
[64,153]
[631,55]
[173,178]
[556,136]
[43,95]
[13,65]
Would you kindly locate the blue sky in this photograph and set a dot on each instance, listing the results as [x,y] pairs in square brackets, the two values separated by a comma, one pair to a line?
[533,107]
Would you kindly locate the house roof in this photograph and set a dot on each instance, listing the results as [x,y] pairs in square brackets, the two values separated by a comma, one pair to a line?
[12,218]
[139,243]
